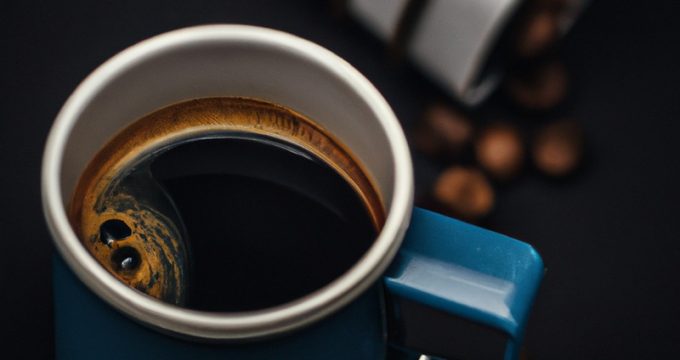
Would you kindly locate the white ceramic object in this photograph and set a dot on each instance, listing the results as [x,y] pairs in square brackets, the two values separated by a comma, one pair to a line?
[452,39]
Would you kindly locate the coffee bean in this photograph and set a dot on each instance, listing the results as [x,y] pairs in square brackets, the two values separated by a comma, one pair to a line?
[536,32]
[500,150]
[540,87]
[442,130]
[558,148]
[465,192]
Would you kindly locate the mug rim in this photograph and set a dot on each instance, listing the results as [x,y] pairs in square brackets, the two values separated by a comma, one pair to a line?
[213,325]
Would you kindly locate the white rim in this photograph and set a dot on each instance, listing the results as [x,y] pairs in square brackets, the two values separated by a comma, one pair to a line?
[227,325]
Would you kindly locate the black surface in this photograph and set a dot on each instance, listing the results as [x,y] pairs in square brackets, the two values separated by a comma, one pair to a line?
[609,235]
[419,328]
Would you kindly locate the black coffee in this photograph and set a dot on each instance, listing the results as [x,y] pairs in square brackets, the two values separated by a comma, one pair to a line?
[267,221]
[225,204]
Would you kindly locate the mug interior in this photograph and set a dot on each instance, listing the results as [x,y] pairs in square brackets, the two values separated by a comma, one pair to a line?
[209,67]
[229,60]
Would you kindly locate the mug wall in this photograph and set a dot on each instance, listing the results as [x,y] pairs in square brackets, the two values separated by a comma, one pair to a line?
[219,64]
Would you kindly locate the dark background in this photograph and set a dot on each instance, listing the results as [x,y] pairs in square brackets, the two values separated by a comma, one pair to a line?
[609,235]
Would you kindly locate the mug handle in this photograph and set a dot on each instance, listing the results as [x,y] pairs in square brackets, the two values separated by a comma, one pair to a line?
[459,291]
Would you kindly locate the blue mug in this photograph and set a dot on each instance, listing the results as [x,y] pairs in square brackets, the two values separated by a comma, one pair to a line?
[428,285]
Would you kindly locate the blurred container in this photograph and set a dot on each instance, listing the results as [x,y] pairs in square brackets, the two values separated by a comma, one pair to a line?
[455,42]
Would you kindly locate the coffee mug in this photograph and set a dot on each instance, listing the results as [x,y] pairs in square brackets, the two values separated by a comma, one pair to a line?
[428,284]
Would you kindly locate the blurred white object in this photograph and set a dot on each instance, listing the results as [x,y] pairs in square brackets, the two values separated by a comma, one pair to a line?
[452,39]
[380,16]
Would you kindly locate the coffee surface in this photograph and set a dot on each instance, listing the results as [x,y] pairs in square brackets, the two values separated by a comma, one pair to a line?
[268,224]
[226,204]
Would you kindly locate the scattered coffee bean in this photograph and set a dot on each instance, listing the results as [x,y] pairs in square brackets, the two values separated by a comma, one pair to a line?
[442,130]
[500,150]
[465,192]
[536,32]
[558,148]
[540,87]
